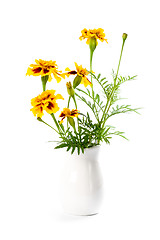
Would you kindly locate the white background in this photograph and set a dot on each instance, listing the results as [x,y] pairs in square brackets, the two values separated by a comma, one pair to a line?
[29,165]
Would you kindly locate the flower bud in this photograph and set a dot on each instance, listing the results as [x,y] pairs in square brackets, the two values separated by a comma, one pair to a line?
[77,81]
[70,89]
[71,122]
[124,36]
[92,44]
[39,119]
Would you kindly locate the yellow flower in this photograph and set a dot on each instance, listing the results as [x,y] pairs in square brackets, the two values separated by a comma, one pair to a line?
[43,68]
[83,72]
[80,71]
[68,113]
[45,101]
[93,33]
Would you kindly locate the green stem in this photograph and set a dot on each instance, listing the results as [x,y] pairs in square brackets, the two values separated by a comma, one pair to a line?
[76,108]
[69,101]
[119,62]
[57,125]
[107,107]
[40,120]
[75,101]
[91,58]
[44,80]
[68,107]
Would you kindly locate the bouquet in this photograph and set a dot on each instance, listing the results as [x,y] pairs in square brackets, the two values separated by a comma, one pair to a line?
[78,130]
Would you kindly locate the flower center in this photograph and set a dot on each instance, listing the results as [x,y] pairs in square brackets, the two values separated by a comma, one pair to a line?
[37,70]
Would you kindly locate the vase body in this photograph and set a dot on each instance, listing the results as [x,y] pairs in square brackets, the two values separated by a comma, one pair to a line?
[81,188]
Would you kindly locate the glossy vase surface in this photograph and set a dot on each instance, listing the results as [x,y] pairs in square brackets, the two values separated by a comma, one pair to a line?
[81,187]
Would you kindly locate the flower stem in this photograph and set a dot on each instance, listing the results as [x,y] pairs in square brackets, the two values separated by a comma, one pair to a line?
[91,57]
[57,125]
[76,108]
[109,103]
[75,101]
[44,80]
[69,101]
[68,107]
[40,119]
[119,62]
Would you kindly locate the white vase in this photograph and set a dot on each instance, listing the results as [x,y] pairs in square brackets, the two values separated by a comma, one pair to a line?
[81,188]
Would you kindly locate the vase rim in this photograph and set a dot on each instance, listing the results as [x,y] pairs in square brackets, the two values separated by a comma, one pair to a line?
[86,150]
[97,146]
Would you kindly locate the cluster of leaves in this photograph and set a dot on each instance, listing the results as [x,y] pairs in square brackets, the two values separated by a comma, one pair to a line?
[87,136]
[90,134]
[111,91]
[110,97]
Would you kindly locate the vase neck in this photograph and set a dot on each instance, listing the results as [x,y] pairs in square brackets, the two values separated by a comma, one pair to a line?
[90,154]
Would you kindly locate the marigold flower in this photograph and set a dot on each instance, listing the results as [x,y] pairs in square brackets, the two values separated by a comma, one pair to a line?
[45,101]
[43,68]
[80,71]
[68,113]
[93,33]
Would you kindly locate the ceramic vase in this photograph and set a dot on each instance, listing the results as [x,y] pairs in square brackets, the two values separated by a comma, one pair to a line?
[81,184]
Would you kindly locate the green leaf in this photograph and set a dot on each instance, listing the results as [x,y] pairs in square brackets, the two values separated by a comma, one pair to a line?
[98,75]
[78,150]
[103,79]
[73,149]
[69,147]
[61,146]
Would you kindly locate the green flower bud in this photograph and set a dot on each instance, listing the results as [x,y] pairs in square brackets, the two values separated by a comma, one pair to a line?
[77,81]
[92,44]
[39,119]
[70,89]
[71,122]
[124,36]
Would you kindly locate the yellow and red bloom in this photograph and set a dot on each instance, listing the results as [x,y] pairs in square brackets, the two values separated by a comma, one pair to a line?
[93,33]
[43,68]
[80,71]
[68,113]
[45,101]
